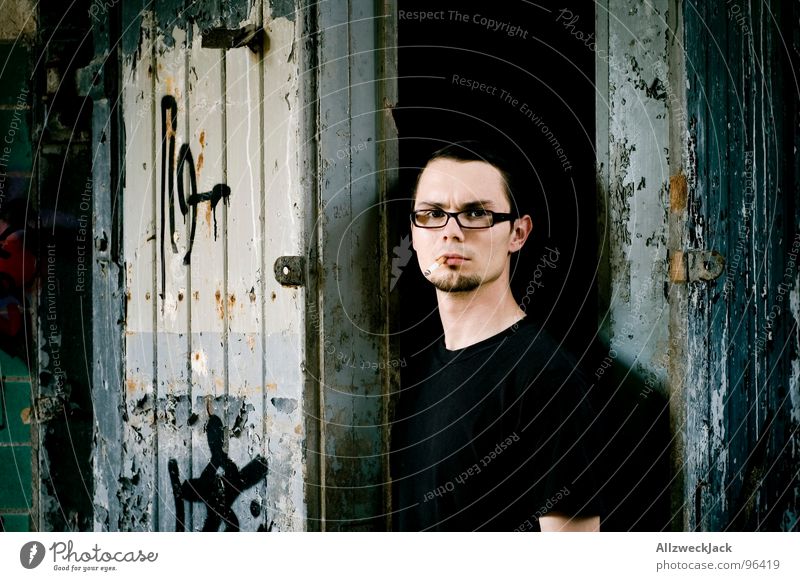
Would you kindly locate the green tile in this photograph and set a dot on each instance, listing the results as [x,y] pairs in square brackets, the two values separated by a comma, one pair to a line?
[12,366]
[15,69]
[17,399]
[15,477]
[15,141]
[16,523]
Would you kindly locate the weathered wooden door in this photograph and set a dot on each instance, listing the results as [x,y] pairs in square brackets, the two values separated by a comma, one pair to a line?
[213,342]
[249,389]
[738,398]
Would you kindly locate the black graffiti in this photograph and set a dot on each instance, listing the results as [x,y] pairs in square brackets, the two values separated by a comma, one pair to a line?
[218,486]
[169,128]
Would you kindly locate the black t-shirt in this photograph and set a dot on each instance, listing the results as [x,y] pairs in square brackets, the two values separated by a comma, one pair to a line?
[493,436]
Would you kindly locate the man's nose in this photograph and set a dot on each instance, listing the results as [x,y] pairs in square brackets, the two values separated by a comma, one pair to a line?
[452,229]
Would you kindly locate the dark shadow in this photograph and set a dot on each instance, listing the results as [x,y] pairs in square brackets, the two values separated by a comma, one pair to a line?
[528,85]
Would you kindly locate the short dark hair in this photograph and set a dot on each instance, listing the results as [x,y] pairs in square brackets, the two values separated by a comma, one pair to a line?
[474,150]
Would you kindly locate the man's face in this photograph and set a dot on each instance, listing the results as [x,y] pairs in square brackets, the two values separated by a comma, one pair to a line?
[475,256]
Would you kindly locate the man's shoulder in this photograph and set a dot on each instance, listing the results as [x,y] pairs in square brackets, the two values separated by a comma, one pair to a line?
[541,355]
[533,338]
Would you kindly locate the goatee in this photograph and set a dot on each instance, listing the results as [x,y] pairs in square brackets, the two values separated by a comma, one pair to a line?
[459,284]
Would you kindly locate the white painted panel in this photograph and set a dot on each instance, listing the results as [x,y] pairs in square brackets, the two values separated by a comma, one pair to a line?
[172,337]
[245,415]
[224,347]
[139,248]
[286,200]
[208,259]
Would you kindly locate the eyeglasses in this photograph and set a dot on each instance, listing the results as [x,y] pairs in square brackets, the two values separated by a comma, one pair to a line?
[469,219]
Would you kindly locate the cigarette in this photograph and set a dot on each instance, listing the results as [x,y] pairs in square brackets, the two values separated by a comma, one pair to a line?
[439,261]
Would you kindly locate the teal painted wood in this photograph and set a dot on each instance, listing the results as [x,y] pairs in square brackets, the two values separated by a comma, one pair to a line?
[742,390]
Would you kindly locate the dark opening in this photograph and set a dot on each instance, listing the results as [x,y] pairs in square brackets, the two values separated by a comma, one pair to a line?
[522,75]
[515,74]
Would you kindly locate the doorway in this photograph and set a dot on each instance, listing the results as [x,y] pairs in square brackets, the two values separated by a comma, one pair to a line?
[514,74]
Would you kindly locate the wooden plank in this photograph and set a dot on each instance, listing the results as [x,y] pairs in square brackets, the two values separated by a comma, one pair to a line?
[245,412]
[349,317]
[286,201]
[139,248]
[742,424]
[388,160]
[716,204]
[172,312]
[207,271]
[696,453]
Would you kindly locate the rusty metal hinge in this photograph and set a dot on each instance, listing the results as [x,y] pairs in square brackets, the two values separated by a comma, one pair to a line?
[290,270]
[695,265]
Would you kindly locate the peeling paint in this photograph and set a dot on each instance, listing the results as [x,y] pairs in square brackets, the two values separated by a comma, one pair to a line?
[284,405]
[200,363]
[282,9]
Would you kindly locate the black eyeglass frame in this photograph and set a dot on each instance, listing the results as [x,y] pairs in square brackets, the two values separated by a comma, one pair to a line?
[497,218]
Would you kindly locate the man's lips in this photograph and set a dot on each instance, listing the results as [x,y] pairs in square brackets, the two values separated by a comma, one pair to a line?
[451,259]
[448,258]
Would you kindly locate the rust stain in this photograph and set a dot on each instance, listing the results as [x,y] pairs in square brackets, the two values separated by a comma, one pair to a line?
[218,301]
[180,296]
[298,429]
[251,342]
[208,217]
[677,267]
[272,387]
[131,386]
[196,295]
[678,192]
[147,296]
[201,157]
[274,296]
[252,294]
[25,416]
[232,301]
[172,88]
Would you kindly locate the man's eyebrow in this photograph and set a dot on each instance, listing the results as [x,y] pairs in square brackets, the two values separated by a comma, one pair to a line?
[467,206]
[478,204]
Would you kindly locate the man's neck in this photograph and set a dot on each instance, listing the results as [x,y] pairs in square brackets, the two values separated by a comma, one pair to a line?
[471,317]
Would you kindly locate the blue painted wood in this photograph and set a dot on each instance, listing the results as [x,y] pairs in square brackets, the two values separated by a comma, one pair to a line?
[742,101]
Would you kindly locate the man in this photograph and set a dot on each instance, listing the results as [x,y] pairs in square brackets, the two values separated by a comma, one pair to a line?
[490,431]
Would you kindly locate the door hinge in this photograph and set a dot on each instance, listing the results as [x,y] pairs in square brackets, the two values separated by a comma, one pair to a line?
[695,265]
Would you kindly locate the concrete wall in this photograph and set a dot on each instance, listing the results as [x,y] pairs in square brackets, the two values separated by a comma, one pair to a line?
[633,178]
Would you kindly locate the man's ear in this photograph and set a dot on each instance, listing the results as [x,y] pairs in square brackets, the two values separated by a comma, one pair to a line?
[521,228]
